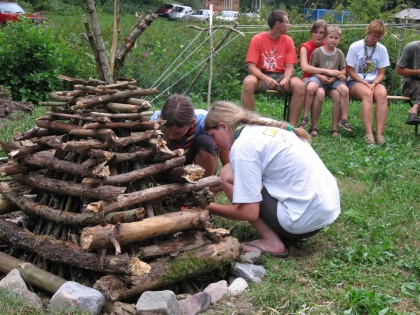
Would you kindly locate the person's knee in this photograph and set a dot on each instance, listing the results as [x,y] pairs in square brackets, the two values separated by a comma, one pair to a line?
[343,90]
[297,86]
[250,83]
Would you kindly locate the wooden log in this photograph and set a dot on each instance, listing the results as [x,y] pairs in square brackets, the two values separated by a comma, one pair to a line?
[134,175]
[83,145]
[126,233]
[120,84]
[103,134]
[78,117]
[12,168]
[136,125]
[15,201]
[61,98]
[122,108]
[186,240]
[63,187]
[99,41]
[7,207]
[165,271]
[81,81]
[50,283]
[129,42]
[45,159]
[69,253]
[26,150]
[103,99]
[128,200]
[94,89]
[34,132]
[57,126]
[53,104]
[137,101]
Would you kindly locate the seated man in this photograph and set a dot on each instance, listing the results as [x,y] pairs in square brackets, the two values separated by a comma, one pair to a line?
[408,67]
[271,57]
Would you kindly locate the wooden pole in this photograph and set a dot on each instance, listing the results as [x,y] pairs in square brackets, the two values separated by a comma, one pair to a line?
[115,37]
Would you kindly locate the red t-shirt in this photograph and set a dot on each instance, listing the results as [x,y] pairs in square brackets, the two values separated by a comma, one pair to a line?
[271,55]
[310,47]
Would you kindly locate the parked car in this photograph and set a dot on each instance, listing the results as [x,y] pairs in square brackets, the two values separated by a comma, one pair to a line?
[252,15]
[180,13]
[202,15]
[165,9]
[11,11]
[228,16]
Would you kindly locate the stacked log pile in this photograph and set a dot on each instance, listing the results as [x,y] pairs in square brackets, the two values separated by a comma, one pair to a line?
[101,196]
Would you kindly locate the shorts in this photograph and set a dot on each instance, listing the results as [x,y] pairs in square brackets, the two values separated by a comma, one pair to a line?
[326,87]
[411,89]
[352,83]
[268,213]
[276,76]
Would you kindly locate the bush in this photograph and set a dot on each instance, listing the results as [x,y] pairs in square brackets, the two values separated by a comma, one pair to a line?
[31,62]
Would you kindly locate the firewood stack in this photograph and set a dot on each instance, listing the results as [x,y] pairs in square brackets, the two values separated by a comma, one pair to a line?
[101,201]
[101,194]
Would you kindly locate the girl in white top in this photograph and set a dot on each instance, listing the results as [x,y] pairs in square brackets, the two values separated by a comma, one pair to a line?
[275,180]
[366,63]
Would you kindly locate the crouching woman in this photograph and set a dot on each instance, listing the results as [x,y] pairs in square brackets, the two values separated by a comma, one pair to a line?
[275,180]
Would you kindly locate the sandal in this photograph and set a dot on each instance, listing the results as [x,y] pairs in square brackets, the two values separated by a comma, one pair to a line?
[303,122]
[313,132]
[370,139]
[335,133]
[345,124]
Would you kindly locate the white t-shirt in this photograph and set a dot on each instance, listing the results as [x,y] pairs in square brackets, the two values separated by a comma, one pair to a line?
[356,59]
[292,173]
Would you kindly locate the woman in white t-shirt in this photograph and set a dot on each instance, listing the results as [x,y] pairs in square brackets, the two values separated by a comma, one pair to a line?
[275,180]
[366,63]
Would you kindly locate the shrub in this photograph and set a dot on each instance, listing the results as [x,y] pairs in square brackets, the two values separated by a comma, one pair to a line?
[31,62]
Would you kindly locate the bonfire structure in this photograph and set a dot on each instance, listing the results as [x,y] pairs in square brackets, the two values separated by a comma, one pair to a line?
[101,194]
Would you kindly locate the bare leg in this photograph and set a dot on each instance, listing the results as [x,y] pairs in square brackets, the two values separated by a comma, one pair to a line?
[414,109]
[297,89]
[250,85]
[380,96]
[361,92]
[317,109]
[336,111]
[344,101]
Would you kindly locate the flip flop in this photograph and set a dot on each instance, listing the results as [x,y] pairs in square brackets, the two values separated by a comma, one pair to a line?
[412,119]
[282,255]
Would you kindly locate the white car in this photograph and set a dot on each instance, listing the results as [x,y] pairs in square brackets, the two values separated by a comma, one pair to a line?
[228,16]
[202,15]
[180,13]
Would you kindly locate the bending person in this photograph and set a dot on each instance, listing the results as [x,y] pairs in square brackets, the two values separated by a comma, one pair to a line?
[275,180]
[184,129]
[366,63]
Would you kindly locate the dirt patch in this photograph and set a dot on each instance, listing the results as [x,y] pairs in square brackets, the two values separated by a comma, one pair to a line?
[8,107]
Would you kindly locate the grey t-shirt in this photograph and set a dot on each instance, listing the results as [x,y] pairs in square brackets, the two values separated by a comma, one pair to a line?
[410,58]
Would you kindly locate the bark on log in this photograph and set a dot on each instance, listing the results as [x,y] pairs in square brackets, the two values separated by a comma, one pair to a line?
[121,83]
[89,38]
[99,41]
[192,263]
[19,202]
[69,253]
[80,81]
[103,99]
[83,145]
[46,160]
[7,207]
[63,187]
[12,168]
[34,132]
[129,42]
[135,125]
[103,134]
[79,117]
[61,98]
[184,241]
[51,283]
[134,175]
[123,108]
[26,150]
[129,200]
[94,89]
[126,233]
[57,126]
[136,101]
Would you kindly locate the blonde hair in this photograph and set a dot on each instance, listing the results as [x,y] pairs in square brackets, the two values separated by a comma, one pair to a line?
[233,116]
[333,29]
[377,27]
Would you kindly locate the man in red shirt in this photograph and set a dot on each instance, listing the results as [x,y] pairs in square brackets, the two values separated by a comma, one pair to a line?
[271,58]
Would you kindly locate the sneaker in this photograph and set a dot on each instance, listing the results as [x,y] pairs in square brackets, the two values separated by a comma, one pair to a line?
[370,139]
[380,139]
[345,125]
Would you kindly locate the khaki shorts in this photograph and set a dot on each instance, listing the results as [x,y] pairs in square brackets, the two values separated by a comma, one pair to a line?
[276,76]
